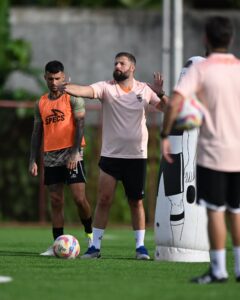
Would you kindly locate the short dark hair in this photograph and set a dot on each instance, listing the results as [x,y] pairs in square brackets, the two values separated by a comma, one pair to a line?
[130,56]
[54,67]
[219,31]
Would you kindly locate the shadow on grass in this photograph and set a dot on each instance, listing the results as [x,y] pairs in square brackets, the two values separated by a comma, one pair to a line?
[119,258]
[34,254]
[18,253]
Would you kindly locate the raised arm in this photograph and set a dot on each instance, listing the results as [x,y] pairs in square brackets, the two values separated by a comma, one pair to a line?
[78,90]
[157,87]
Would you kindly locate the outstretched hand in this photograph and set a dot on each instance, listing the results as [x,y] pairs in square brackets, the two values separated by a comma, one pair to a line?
[157,85]
[62,87]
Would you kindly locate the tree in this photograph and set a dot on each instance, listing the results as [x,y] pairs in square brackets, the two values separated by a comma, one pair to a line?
[15,54]
[17,190]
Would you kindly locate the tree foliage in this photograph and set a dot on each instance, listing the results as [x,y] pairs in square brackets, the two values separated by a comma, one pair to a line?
[16,189]
[15,55]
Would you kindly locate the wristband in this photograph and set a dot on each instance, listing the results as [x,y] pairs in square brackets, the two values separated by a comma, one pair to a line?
[161,94]
[163,135]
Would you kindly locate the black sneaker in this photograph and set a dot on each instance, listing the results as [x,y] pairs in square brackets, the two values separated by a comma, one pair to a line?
[238,279]
[208,278]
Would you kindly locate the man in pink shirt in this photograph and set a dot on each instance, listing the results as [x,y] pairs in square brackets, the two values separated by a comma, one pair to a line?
[216,84]
[124,144]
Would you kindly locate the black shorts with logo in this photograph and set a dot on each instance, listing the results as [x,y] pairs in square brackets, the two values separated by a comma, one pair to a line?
[60,174]
[218,189]
[132,173]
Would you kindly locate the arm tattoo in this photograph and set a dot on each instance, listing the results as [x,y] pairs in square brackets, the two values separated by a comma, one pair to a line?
[36,141]
[79,122]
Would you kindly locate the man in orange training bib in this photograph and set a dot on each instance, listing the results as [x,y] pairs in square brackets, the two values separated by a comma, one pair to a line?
[59,119]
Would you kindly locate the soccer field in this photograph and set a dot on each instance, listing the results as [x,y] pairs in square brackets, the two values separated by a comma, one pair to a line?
[117,275]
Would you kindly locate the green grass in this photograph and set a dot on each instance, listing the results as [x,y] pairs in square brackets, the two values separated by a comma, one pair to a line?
[117,275]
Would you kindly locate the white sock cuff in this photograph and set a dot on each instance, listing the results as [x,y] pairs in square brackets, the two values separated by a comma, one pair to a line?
[97,237]
[236,249]
[218,252]
[218,262]
[139,237]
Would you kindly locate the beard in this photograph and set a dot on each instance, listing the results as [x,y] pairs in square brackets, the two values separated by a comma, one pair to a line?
[120,76]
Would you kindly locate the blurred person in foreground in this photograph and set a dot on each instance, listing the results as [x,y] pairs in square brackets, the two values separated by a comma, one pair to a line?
[59,122]
[216,84]
[124,144]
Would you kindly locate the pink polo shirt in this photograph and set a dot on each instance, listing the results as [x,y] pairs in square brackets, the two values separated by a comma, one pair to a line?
[216,82]
[124,133]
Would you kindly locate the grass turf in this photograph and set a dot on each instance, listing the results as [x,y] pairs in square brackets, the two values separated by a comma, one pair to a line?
[117,275]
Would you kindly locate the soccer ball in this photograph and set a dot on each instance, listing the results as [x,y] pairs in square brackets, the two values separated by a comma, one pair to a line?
[190,115]
[66,246]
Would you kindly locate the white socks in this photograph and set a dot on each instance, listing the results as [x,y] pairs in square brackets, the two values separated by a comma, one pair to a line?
[236,253]
[139,237]
[97,237]
[218,263]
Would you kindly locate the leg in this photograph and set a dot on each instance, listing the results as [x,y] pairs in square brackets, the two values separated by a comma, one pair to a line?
[138,224]
[137,214]
[106,188]
[217,238]
[234,219]
[217,231]
[134,183]
[79,196]
[84,209]
[76,180]
[212,191]
[57,203]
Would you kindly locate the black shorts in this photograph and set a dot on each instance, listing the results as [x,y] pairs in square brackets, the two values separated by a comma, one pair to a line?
[132,173]
[218,190]
[54,175]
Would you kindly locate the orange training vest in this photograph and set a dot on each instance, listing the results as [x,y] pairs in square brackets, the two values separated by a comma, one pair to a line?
[58,123]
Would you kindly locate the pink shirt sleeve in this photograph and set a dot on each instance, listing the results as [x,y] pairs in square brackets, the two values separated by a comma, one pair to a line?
[98,89]
[190,83]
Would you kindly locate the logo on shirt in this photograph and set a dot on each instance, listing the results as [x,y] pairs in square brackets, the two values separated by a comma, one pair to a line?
[140,97]
[57,116]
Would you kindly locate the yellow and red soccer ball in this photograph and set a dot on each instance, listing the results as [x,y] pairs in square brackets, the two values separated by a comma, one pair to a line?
[66,246]
[190,115]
